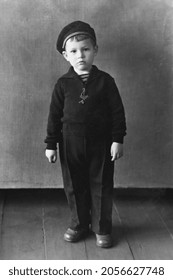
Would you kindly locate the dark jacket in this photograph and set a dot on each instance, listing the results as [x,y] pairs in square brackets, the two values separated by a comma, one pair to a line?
[99,112]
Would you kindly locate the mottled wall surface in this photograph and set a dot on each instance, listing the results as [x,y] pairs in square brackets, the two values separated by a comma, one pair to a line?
[135,46]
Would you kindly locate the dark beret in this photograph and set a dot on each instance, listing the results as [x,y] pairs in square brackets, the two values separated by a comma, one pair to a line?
[72,29]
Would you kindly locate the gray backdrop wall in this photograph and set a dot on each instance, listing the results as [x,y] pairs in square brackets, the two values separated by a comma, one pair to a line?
[135,46]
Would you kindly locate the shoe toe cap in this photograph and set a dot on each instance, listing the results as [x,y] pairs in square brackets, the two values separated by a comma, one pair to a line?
[104,241]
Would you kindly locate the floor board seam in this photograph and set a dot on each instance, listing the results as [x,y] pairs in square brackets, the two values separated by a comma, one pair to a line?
[86,252]
[44,234]
[167,228]
[1,222]
[163,221]
[121,223]
[2,214]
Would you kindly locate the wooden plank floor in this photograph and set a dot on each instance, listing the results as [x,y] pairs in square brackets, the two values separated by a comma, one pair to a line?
[32,224]
[148,234]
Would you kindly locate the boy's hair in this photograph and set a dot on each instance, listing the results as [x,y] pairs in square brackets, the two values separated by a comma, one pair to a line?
[82,37]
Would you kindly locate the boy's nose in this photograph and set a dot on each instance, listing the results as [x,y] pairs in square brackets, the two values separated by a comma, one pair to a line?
[80,54]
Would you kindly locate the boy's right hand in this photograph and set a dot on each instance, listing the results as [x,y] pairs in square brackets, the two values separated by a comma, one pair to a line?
[51,155]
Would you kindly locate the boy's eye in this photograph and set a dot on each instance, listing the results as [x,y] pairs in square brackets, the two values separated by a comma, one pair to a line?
[86,49]
[73,51]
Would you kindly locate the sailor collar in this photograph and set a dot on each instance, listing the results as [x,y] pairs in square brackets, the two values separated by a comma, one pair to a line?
[71,74]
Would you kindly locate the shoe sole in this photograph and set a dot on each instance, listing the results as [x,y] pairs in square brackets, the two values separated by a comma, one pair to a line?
[82,236]
[104,245]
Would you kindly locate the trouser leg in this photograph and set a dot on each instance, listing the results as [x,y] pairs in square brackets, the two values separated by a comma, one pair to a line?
[75,177]
[101,171]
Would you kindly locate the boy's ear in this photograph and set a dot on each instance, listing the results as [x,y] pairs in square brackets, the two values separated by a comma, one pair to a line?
[65,55]
[96,49]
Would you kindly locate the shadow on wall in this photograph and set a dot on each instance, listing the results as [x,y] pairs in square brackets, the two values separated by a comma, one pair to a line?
[139,47]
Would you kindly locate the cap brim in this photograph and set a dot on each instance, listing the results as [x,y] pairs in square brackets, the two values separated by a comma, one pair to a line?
[74,34]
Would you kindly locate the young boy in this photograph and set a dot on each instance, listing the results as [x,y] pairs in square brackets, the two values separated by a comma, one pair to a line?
[87,119]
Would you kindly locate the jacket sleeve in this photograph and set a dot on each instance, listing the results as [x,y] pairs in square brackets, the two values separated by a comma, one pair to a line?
[54,125]
[117,113]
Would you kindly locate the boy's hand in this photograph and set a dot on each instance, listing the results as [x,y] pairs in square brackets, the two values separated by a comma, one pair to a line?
[116,151]
[51,155]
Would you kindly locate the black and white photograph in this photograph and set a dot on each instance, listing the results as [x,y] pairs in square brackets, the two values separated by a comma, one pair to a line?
[86,130]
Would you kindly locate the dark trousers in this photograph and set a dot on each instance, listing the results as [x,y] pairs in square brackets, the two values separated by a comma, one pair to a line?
[88,181]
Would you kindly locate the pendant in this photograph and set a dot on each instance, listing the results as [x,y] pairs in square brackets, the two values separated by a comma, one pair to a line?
[83,96]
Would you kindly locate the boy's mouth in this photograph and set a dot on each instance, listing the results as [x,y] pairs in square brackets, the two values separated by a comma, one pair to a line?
[81,62]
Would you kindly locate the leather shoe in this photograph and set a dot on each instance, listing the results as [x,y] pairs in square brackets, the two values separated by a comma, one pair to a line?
[72,235]
[104,241]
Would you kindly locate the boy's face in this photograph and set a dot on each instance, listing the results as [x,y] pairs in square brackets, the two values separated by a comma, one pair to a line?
[80,54]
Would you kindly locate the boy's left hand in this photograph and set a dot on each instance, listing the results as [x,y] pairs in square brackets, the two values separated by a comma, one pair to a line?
[116,151]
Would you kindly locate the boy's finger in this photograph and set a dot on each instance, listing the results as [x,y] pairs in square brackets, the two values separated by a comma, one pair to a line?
[50,159]
[113,158]
[53,160]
